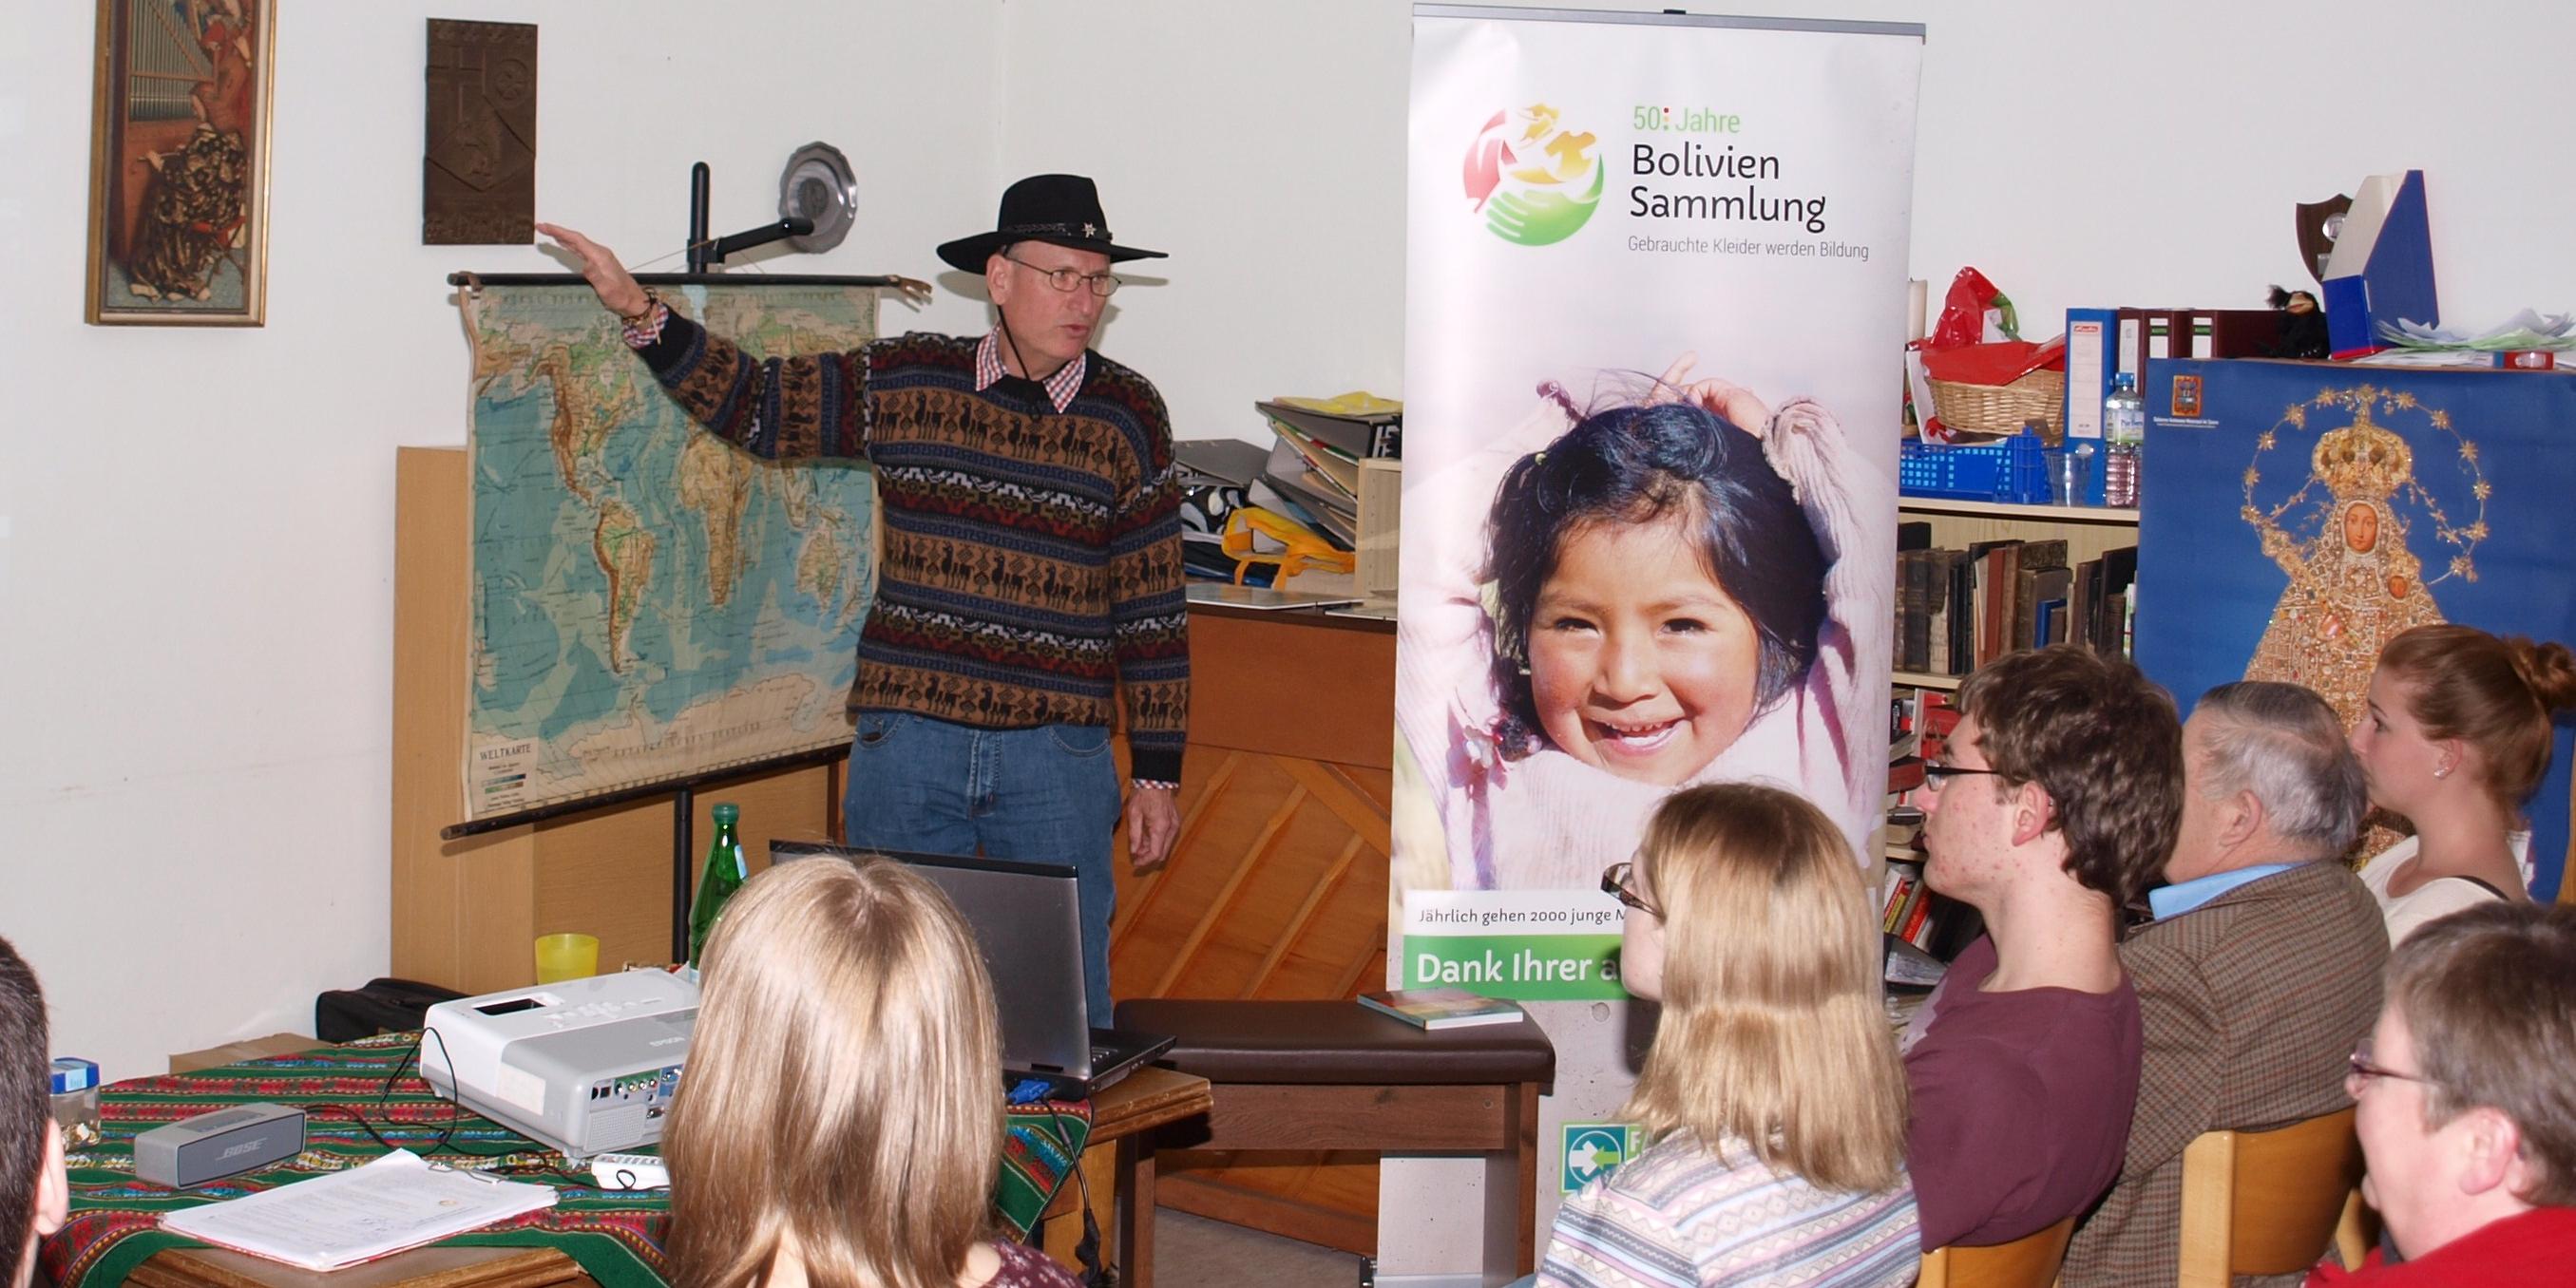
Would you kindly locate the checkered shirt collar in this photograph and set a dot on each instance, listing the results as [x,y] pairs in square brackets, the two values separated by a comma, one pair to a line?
[1060,387]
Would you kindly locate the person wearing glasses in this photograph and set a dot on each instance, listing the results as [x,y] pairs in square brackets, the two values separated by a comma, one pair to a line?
[1031,568]
[2055,808]
[1773,1098]
[2466,1106]
[2260,969]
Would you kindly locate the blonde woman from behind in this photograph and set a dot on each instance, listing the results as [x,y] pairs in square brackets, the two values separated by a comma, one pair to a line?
[1773,1096]
[839,1123]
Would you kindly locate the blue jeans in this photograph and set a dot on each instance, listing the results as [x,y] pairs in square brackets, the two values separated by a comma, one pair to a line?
[1043,795]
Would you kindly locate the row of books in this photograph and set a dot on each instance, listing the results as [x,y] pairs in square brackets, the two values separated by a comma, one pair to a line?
[1906,912]
[1912,914]
[1957,610]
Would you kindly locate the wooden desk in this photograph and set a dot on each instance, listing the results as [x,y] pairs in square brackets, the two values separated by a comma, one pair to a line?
[1496,1120]
[1118,1168]
[432,1267]
[1338,1076]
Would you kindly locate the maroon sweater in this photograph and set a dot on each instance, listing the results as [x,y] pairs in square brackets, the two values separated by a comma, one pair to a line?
[2021,1103]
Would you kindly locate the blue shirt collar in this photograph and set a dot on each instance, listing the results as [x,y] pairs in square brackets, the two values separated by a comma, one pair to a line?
[2175,900]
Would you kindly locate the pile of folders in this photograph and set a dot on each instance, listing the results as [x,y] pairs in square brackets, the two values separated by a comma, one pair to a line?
[1310,473]
[1314,463]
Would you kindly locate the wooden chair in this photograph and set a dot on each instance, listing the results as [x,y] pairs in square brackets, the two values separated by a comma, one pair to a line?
[2265,1203]
[2027,1262]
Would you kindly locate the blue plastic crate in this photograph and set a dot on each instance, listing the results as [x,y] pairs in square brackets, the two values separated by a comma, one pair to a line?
[2013,471]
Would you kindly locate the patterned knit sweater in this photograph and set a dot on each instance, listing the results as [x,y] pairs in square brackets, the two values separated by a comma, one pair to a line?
[1032,560]
[1682,1213]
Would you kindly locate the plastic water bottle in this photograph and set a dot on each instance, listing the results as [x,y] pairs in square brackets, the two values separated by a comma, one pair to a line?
[2124,435]
[2074,473]
[722,876]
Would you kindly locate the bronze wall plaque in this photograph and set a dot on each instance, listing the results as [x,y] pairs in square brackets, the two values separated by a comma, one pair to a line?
[2319,223]
[479,170]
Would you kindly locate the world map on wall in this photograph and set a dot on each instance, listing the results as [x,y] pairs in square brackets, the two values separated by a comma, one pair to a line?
[649,602]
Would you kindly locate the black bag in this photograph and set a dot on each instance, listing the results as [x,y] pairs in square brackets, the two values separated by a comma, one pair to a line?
[383,1006]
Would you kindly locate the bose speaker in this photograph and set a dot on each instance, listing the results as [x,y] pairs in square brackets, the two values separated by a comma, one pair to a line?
[208,1147]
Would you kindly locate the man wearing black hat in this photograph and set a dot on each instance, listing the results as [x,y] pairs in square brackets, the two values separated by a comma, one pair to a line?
[1032,561]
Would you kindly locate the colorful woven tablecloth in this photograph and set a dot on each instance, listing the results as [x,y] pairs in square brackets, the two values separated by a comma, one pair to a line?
[615,1235]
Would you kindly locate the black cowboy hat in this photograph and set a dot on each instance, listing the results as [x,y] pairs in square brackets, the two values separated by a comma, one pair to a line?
[1063,209]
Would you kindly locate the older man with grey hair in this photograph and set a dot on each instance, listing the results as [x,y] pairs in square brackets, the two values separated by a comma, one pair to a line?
[2260,970]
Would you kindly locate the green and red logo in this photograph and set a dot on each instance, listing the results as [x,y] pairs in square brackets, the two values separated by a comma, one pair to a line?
[1534,180]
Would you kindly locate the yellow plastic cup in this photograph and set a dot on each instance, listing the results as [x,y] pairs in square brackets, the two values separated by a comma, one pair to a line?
[562,957]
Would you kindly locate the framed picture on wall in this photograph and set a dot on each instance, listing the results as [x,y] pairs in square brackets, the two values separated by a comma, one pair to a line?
[178,232]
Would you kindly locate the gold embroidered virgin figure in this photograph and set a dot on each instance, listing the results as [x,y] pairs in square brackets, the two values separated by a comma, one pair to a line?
[2355,582]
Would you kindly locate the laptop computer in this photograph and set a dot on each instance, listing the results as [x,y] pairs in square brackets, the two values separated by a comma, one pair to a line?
[1027,918]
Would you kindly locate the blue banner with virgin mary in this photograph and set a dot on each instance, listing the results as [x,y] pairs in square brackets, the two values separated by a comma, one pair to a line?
[2298,515]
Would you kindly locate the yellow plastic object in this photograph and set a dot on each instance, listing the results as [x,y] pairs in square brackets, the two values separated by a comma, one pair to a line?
[1355,403]
[1304,549]
[563,957]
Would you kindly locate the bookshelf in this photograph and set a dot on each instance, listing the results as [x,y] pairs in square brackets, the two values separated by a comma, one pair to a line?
[2088,531]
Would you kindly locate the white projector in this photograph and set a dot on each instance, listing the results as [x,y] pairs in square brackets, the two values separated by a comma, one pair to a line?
[586,1065]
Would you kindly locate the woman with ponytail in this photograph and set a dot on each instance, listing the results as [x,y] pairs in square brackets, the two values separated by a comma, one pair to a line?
[2455,738]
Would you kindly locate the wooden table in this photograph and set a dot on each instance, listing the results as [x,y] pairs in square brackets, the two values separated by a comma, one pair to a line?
[92,1248]
[1118,1167]
[1327,1075]
[431,1267]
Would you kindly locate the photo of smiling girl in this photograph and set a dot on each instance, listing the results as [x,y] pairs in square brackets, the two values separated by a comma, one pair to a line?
[1660,599]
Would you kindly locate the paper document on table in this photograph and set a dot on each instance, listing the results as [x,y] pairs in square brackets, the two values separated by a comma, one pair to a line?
[393,1203]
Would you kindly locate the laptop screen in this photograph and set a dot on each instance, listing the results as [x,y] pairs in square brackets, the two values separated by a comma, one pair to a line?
[1027,919]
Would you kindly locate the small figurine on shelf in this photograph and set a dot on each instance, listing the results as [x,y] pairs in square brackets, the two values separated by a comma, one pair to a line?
[2303,325]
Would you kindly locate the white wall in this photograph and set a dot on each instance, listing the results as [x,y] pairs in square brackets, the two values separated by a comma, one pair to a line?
[2080,154]
[196,526]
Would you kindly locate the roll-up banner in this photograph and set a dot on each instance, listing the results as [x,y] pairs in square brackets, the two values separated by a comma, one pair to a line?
[1655,312]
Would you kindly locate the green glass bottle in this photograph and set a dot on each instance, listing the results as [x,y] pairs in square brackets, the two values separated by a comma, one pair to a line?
[723,875]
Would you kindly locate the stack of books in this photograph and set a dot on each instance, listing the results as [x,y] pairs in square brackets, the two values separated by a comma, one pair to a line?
[1314,466]
[1957,610]
[1920,722]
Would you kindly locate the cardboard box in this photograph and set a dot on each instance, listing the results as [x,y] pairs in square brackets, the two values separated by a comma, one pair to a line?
[246,1049]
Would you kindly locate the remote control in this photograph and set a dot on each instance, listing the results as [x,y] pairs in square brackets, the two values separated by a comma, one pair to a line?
[629,1172]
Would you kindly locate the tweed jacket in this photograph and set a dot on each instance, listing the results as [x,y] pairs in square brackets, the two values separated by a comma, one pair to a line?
[2251,1003]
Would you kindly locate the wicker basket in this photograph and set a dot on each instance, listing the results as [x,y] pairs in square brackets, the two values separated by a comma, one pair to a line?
[2002,409]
